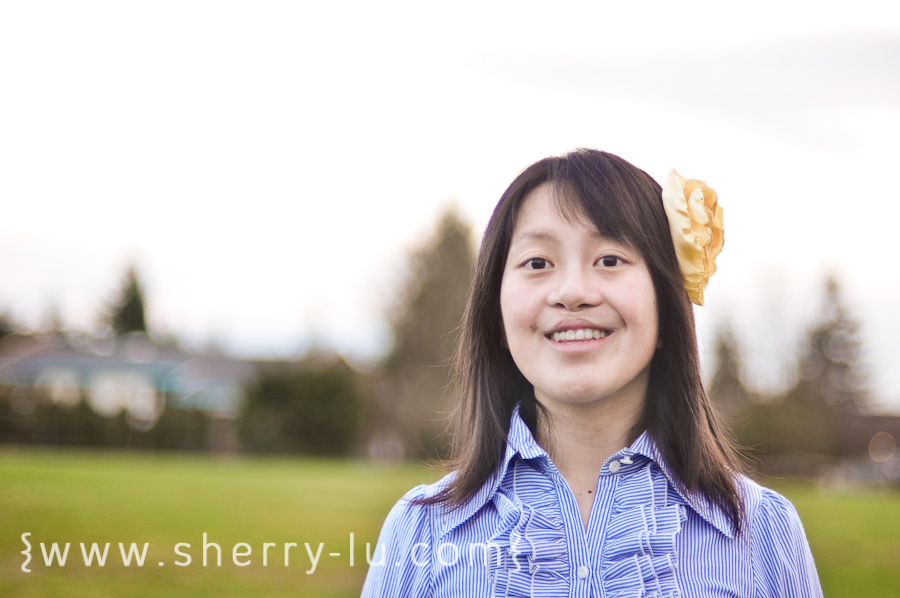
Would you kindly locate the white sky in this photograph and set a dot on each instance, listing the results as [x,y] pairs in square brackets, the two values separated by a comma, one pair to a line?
[267,165]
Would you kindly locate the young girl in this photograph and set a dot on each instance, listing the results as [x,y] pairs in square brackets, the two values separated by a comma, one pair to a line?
[589,461]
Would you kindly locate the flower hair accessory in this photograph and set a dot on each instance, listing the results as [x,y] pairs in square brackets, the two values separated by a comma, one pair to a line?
[695,219]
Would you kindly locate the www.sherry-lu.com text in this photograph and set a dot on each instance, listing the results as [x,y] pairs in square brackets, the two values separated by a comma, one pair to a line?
[242,554]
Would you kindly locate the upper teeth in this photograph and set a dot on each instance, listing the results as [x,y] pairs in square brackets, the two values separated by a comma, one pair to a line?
[582,333]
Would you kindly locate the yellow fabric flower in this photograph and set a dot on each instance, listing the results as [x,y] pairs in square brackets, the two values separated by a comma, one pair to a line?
[695,219]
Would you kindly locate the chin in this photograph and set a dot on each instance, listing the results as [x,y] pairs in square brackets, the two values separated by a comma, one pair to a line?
[574,396]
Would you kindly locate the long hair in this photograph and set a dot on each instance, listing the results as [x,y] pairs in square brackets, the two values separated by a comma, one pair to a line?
[625,204]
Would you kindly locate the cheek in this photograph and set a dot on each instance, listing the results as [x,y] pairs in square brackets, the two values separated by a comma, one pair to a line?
[651,319]
[507,304]
[515,311]
[640,305]
[518,326]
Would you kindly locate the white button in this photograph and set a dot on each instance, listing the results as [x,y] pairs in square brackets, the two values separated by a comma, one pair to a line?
[583,572]
[614,466]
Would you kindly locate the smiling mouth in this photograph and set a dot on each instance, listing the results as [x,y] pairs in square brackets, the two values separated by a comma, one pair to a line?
[581,334]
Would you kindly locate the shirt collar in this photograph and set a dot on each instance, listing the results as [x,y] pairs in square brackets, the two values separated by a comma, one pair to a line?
[705,508]
[520,441]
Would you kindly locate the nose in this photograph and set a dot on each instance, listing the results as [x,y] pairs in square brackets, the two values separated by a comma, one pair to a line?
[577,289]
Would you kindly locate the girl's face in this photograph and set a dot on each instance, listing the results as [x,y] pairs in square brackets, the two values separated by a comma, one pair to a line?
[579,310]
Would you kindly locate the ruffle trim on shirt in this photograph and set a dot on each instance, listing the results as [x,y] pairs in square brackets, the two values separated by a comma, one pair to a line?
[531,540]
[640,556]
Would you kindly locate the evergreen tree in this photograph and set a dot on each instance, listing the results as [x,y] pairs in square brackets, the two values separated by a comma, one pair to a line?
[816,416]
[415,396]
[128,311]
[831,391]
[830,364]
[726,389]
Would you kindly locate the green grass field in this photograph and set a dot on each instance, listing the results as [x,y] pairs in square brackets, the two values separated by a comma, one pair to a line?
[80,496]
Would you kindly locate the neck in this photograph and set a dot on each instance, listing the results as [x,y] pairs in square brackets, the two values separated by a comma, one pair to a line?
[580,437]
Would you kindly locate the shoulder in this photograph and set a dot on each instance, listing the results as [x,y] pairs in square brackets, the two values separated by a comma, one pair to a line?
[779,549]
[401,562]
[770,516]
[411,518]
[411,515]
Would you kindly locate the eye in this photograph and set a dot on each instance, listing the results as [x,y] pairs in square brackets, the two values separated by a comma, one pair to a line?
[610,261]
[537,263]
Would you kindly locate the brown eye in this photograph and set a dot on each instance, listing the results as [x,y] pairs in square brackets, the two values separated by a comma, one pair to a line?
[610,261]
[537,263]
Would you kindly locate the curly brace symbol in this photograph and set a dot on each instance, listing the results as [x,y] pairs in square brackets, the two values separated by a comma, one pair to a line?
[26,552]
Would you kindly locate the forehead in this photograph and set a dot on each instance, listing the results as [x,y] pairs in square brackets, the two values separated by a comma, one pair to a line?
[550,206]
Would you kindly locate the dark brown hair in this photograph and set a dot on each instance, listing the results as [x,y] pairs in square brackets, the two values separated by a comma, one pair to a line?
[625,204]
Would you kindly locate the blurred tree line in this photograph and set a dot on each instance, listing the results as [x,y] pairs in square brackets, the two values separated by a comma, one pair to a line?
[27,414]
[821,418]
[315,405]
[311,407]
[321,405]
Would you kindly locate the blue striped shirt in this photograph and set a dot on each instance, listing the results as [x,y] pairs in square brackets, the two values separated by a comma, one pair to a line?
[522,535]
